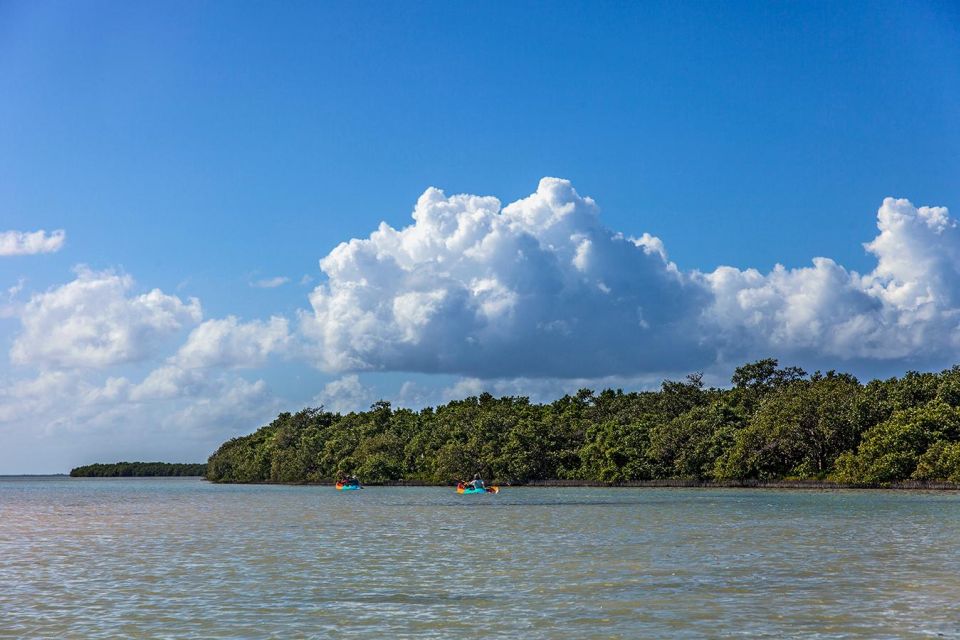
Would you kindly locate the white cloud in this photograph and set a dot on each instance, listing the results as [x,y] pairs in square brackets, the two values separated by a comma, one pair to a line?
[537,288]
[541,289]
[171,382]
[78,335]
[270,283]
[93,322]
[25,243]
[345,394]
[173,413]
[228,342]
[907,308]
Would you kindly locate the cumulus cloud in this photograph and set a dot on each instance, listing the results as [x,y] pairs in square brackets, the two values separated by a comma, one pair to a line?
[228,342]
[908,307]
[171,382]
[94,321]
[541,288]
[24,243]
[103,351]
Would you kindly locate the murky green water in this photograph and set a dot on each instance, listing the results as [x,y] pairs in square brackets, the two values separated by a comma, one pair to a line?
[180,558]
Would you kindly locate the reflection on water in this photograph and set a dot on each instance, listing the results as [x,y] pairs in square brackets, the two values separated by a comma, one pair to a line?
[144,558]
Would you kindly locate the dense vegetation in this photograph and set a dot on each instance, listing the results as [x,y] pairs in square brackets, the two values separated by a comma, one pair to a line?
[138,469]
[773,424]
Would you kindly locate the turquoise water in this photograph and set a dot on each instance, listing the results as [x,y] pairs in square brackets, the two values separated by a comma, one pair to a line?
[165,558]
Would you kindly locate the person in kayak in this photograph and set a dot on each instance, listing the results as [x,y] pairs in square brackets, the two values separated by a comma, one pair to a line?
[344,479]
[477,482]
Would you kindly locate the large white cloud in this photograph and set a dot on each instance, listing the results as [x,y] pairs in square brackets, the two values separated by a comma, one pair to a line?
[540,288]
[24,243]
[93,321]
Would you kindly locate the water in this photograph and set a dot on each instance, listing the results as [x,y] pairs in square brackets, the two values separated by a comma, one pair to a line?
[165,558]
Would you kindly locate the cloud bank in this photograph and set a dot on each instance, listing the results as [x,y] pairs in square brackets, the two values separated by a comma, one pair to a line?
[541,288]
[91,322]
[101,361]
[24,243]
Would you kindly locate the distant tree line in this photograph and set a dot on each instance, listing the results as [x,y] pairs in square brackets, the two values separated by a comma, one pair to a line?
[138,469]
[773,424]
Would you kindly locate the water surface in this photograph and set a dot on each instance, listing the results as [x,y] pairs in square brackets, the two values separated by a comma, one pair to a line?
[173,557]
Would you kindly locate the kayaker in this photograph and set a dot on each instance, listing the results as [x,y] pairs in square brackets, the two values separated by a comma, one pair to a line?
[477,482]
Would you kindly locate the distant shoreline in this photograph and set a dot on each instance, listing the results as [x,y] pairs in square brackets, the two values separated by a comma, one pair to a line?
[126,469]
[34,475]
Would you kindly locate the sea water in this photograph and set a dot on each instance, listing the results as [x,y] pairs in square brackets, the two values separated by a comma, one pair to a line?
[182,558]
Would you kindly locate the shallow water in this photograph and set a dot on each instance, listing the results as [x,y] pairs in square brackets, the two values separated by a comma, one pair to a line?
[164,558]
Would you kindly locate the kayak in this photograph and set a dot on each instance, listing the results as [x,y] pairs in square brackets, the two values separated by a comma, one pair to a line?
[466,490]
[347,487]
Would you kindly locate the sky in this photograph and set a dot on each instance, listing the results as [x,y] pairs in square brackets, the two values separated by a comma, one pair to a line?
[214,212]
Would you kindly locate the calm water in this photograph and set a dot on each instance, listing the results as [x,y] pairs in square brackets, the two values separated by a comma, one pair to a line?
[155,558]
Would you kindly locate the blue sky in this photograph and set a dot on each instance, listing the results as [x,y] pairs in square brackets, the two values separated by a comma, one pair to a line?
[196,148]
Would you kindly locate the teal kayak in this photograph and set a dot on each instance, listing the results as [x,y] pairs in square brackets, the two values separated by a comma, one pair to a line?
[461,488]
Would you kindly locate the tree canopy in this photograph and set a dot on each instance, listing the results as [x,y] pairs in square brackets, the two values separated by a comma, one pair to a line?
[772,424]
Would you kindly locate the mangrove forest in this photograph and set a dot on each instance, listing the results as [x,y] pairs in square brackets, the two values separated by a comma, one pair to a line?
[773,423]
[138,469]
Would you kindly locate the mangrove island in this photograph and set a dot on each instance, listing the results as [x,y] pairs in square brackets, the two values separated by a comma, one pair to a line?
[772,424]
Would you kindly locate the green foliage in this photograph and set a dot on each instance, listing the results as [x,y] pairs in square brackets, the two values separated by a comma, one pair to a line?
[798,431]
[616,452]
[940,462]
[690,445]
[773,423]
[138,469]
[891,450]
